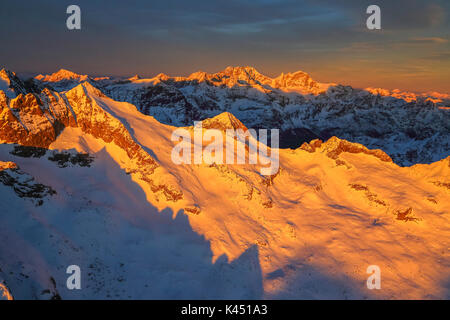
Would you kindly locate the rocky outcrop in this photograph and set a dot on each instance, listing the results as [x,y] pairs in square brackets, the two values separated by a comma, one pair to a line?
[249,76]
[335,146]
[23,184]
[64,159]
[4,292]
[24,120]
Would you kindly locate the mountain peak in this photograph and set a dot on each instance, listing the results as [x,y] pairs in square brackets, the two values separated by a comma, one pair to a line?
[86,88]
[242,73]
[199,75]
[62,74]
[230,75]
[296,74]
[234,76]
[248,76]
[4,165]
[134,78]
[294,80]
[162,76]
[223,121]
[240,69]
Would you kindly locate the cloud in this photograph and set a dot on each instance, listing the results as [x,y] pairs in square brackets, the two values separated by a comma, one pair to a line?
[429,40]
[398,14]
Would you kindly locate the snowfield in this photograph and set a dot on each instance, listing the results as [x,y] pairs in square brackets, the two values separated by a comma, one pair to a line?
[141,227]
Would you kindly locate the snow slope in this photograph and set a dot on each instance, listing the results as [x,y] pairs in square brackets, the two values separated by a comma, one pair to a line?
[309,231]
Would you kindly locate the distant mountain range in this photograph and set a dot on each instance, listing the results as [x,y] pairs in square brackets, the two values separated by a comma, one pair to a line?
[87,179]
[411,128]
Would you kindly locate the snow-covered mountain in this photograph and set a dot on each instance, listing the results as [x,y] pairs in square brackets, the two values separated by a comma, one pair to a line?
[62,75]
[88,180]
[411,128]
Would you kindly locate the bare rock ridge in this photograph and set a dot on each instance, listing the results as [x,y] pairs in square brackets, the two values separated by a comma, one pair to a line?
[11,84]
[335,146]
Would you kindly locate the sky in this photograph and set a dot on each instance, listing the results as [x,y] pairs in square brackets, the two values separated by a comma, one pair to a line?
[326,38]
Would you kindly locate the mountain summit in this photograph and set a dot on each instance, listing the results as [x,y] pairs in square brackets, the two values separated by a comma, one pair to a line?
[248,76]
[61,75]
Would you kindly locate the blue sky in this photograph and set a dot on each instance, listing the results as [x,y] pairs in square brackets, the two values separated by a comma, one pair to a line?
[326,38]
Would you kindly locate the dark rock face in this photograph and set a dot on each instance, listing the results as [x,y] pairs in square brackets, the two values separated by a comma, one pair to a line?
[24,120]
[335,146]
[405,215]
[15,84]
[28,152]
[63,159]
[23,184]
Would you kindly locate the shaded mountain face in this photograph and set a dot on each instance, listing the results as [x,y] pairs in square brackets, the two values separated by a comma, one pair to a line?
[11,85]
[411,128]
[89,180]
